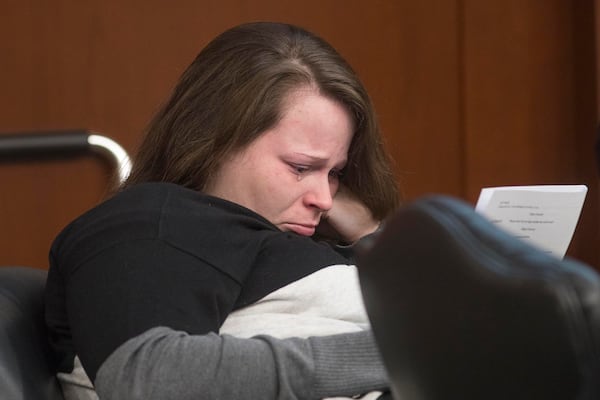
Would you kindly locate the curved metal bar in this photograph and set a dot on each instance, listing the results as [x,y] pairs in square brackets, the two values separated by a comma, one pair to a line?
[119,156]
[61,144]
[43,144]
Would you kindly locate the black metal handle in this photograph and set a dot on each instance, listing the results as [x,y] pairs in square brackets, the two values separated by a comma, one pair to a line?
[43,144]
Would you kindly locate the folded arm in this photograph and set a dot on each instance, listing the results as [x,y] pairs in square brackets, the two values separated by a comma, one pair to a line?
[163,363]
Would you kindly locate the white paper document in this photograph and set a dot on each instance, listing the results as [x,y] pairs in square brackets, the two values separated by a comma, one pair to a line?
[545,216]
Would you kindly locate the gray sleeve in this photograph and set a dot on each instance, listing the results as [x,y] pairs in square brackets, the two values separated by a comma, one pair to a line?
[166,364]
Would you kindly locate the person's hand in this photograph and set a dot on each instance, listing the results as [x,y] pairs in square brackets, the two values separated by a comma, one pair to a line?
[348,219]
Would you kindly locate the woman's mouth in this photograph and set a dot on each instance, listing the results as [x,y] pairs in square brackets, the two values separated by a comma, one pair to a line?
[300,229]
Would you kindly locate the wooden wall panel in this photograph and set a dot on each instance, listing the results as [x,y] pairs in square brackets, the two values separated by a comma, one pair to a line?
[107,65]
[587,236]
[469,93]
[529,101]
[519,93]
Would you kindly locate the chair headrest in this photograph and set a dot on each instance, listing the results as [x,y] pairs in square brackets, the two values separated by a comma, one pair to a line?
[463,310]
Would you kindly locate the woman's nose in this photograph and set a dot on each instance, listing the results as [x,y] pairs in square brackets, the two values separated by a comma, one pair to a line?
[320,194]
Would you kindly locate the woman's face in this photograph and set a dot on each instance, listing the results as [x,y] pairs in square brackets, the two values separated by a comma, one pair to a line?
[290,173]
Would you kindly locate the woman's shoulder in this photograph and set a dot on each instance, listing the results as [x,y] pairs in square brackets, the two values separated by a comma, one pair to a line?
[134,211]
[172,214]
[157,203]
[172,201]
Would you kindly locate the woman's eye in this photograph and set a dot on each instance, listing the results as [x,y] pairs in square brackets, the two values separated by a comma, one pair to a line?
[299,169]
[336,174]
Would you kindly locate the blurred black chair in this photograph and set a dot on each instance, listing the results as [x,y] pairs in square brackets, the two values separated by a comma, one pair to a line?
[27,369]
[462,310]
[26,364]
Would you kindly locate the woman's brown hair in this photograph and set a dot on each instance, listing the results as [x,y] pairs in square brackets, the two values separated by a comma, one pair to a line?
[235,90]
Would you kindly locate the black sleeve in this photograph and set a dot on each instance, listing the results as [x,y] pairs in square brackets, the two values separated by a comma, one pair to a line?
[349,250]
[131,287]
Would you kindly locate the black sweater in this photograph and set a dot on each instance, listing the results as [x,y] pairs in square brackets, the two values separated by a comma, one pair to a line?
[158,254]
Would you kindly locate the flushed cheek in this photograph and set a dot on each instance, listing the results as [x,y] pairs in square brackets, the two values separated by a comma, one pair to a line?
[286,209]
[273,203]
[284,192]
[280,196]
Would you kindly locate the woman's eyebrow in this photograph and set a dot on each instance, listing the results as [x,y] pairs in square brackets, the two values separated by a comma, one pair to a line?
[310,156]
[321,160]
